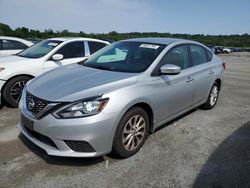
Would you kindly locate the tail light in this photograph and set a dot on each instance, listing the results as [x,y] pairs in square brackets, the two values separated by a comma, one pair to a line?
[224,65]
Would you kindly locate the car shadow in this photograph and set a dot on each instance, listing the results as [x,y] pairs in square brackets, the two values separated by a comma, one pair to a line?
[63,161]
[229,164]
[4,104]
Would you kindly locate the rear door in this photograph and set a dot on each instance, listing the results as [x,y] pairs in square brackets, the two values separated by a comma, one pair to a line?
[72,52]
[203,69]
[174,92]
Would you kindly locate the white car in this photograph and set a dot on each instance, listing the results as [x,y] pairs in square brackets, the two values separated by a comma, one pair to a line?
[227,50]
[12,45]
[16,70]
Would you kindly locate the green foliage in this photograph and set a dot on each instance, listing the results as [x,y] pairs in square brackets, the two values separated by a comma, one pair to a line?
[5,29]
[219,40]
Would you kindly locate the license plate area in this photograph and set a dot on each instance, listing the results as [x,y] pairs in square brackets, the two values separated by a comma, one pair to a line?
[27,123]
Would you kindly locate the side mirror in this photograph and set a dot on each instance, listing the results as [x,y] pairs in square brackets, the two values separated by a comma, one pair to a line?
[170,69]
[57,57]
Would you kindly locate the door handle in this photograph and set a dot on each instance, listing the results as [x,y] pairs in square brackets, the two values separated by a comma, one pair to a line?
[189,79]
[211,72]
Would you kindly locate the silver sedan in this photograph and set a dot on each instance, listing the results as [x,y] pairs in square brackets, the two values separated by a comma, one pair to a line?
[113,100]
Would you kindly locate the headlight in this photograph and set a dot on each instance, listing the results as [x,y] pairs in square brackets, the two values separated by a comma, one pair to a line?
[81,109]
[1,69]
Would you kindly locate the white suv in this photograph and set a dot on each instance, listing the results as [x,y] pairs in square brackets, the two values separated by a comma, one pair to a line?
[16,70]
[12,45]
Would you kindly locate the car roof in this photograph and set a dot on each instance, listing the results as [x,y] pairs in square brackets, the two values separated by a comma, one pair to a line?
[157,40]
[7,37]
[76,38]
[27,42]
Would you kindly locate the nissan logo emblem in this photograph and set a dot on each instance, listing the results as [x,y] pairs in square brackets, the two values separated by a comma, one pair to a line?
[31,104]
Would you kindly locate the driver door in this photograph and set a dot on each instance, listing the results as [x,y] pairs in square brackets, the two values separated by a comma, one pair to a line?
[72,52]
[174,92]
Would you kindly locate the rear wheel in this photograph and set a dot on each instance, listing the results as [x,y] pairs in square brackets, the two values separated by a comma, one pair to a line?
[13,90]
[131,133]
[213,97]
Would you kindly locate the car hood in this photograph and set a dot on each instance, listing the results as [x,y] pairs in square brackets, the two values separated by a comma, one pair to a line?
[10,59]
[9,62]
[75,82]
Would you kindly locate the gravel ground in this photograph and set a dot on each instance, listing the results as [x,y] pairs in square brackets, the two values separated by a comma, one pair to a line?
[199,149]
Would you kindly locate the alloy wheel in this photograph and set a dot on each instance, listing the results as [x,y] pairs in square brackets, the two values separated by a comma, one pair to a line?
[213,95]
[134,132]
[16,90]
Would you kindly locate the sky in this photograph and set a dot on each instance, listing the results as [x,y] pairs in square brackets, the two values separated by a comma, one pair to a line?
[101,16]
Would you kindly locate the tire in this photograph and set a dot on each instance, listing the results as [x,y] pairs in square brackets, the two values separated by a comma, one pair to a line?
[212,97]
[12,91]
[121,146]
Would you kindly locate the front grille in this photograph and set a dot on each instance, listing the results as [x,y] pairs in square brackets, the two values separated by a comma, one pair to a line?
[41,138]
[35,104]
[79,146]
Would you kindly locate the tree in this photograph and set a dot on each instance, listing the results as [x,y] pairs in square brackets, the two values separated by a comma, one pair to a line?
[219,40]
[22,32]
[5,30]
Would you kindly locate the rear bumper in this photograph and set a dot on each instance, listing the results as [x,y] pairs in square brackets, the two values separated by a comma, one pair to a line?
[2,82]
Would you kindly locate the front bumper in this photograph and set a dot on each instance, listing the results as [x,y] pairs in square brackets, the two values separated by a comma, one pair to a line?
[2,82]
[98,131]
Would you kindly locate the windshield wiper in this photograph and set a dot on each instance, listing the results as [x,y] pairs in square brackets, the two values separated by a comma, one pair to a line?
[82,62]
[102,67]
[99,67]
[18,55]
[26,56]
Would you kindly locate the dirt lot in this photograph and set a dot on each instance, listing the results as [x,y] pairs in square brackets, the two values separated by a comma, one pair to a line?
[200,149]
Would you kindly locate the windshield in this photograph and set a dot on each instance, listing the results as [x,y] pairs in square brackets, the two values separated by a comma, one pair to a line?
[40,49]
[127,56]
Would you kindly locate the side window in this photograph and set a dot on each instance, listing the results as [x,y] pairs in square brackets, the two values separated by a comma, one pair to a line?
[72,50]
[198,55]
[12,45]
[177,56]
[209,55]
[95,46]
[1,44]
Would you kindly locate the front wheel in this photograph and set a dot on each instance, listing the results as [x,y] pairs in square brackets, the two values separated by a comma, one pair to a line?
[131,133]
[13,90]
[212,98]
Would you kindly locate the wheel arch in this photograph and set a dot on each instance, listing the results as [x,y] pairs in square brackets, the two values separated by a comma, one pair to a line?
[28,75]
[218,81]
[149,110]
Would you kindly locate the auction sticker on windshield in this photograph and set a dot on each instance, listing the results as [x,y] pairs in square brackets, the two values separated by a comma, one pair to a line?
[152,46]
